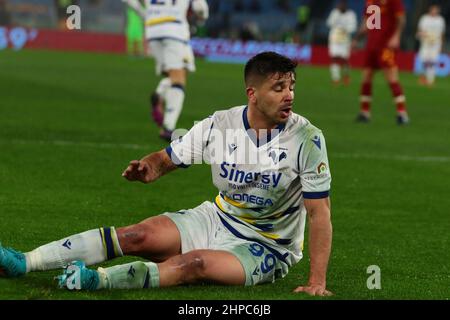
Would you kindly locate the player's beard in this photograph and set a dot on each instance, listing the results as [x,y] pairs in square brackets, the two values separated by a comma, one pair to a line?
[275,115]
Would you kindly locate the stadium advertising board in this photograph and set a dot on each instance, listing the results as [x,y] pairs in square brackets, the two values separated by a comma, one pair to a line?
[224,50]
[217,50]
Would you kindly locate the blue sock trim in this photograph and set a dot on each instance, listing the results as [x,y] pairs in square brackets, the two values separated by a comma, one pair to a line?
[108,242]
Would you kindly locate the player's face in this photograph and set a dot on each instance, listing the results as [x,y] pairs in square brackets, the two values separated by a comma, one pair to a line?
[275,96]
[434,10]
[342,6]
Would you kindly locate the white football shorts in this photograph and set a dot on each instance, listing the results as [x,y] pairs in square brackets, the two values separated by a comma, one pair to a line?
[341,50]
[172,55]
[202,228]
[429,53]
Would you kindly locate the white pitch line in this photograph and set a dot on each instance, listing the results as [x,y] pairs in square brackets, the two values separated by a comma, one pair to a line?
[144,147]
[82,144]
[391,157]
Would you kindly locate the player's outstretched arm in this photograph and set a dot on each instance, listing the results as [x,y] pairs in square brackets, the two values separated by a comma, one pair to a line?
[149,168]
[394,41]
[359,34]
[320,235]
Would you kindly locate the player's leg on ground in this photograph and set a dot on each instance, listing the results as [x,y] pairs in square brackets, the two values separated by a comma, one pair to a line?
[430,72]
[335,70]
[156,238]
[422,76]
[174,101]
[391,75]
[12,263]
[174,98]
[366,95]
[163,85]
[157,100]
[212,266]
[202,266]
[91,246]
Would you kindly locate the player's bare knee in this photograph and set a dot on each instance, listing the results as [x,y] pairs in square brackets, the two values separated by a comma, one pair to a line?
[132,238]
[192,267]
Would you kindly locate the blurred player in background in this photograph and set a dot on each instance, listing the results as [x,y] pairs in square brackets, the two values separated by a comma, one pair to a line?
[431,33]
[135,33]
[168,35]
[342,23]
[380,53]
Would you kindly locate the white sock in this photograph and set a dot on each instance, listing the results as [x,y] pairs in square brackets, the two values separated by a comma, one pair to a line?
[430,74]
[335,70]
[163,86]
[134,275]
[93,246]
[174,104]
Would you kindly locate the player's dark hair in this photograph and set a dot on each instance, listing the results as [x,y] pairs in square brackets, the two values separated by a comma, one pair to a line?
[266,64]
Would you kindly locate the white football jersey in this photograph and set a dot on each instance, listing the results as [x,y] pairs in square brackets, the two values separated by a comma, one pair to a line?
[167,19]
[261,182]
[341,25]
[433,28]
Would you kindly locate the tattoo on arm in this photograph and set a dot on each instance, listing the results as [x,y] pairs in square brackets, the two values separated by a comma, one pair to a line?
[159,163]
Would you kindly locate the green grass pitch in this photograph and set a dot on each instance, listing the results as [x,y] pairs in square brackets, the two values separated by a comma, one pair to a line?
[71,122]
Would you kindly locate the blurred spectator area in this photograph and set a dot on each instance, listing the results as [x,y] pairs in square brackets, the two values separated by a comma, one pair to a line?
[266,19]
[280,19]
[301,21]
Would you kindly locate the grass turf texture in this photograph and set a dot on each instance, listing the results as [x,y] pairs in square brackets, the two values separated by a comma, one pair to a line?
[71,122]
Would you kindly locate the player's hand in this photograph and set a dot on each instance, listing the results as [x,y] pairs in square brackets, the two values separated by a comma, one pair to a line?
[138,171]
[314,290]
[394,42]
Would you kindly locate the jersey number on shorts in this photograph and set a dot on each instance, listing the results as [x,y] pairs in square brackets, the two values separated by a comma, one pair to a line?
[269,260]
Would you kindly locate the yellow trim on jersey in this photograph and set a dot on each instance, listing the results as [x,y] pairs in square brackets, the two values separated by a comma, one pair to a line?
[276,215]
[234,203]
[268,235]
[248,220]
[152,22]
[219,204]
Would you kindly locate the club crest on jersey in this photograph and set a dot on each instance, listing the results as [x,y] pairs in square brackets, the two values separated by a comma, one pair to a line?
[317,142]
[321,168]
[277,156]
